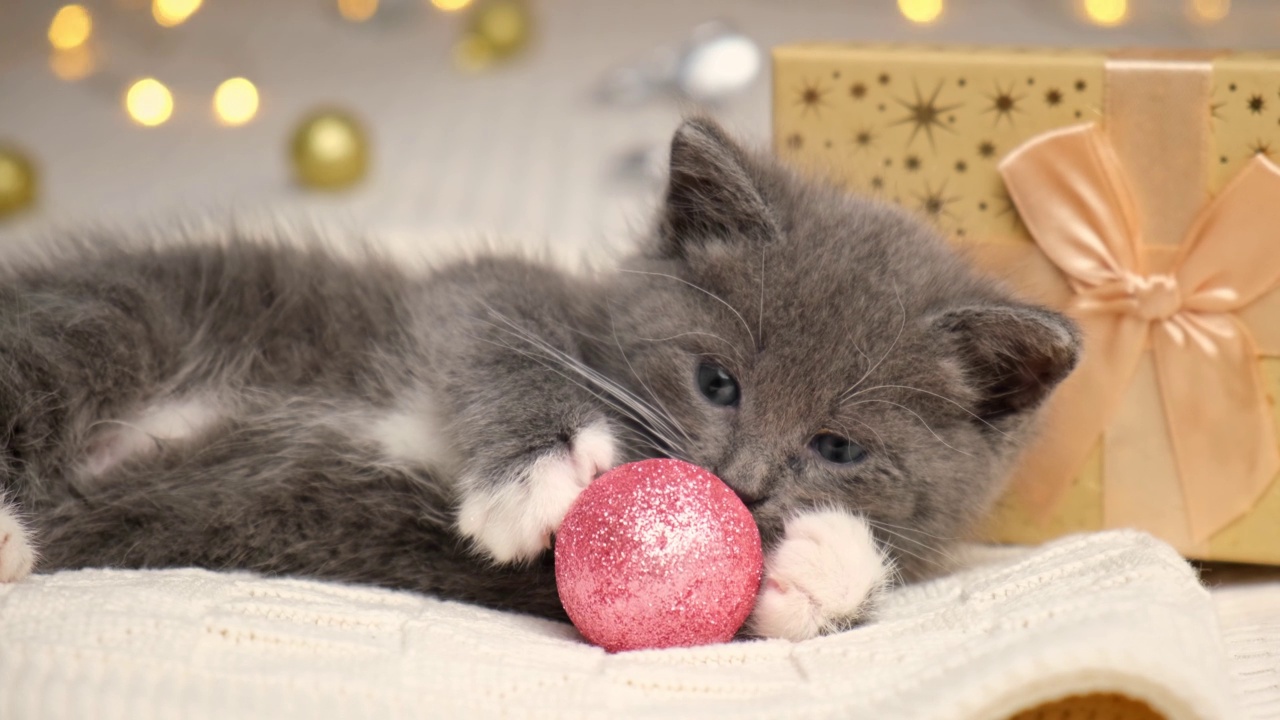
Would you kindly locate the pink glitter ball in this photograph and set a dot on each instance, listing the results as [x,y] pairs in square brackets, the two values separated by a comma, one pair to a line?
[655,554]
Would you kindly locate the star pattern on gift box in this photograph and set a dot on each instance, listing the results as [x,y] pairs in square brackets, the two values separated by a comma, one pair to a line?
[934,202]
[1245,108]
[915,125]
[812,97]
[864,140]
[1003,104]
[925,115]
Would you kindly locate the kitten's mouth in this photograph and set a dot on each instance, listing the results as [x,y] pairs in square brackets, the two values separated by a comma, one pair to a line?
[753,503]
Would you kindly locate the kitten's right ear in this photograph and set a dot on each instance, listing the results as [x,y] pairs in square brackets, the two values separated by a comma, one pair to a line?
[710,193]
[1014,355]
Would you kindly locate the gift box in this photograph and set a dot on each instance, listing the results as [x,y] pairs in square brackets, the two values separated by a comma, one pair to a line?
[1135,191]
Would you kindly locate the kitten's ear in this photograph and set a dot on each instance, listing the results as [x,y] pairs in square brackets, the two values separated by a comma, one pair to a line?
[1015,355]
[710,193]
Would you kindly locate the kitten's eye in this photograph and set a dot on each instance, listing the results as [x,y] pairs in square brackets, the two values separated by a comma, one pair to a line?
[836,449]
[717,385]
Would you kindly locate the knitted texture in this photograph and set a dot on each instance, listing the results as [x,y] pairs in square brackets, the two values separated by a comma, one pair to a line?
[1112,612]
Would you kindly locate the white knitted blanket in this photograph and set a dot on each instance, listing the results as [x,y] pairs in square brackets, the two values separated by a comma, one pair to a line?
[1111,612]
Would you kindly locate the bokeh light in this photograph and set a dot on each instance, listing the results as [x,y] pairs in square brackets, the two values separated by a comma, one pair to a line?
[473,53]
[148,102]
[1209,11]
[71,27]
[505,25]
[169,13]
[450,5]
[74,64]
[920,11]
[235,102]
[357,10]
[1107,13]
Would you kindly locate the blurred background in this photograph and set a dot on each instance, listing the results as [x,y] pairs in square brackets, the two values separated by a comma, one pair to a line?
[542,119]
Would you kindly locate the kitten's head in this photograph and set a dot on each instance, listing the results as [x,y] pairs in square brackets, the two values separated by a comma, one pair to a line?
[816,349]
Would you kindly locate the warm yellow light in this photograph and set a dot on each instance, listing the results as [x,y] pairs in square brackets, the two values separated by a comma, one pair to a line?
[173,12]
[235,102]
[74,64]
[1209,11]
[504,25]
[70,28]
[450,5]
[148,102]
[357,10]
[473,53]
[920,11]
[1107,12]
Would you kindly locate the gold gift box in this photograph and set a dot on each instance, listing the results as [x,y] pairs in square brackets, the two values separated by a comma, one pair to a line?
[929,129]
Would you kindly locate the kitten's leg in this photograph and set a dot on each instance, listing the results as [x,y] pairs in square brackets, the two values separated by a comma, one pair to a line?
[101,335]
[68,356]
[519,483]
[822,577]
[530,427]
[302,496]
[17,556]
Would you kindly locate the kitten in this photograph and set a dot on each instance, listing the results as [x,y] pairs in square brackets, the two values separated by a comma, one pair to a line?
[289,412]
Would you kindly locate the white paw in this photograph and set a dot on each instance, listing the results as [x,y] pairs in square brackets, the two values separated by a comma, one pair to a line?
[820,576]
[514,519]
[17,557]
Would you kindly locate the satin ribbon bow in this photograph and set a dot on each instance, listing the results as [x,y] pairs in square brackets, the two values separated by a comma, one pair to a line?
[1075,200]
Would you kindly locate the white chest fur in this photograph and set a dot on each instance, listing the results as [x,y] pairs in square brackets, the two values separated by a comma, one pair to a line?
[172,420]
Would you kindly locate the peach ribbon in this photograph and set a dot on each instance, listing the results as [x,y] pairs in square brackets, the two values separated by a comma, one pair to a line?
[1072,193]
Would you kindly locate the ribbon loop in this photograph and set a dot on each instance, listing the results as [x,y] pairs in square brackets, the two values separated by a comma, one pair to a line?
[1073,196]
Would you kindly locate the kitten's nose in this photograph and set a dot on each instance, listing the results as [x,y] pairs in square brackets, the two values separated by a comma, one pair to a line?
[752,488]
[751,500]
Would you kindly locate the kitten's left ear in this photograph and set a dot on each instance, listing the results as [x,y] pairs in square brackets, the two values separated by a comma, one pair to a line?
[1015,355]
[710,193]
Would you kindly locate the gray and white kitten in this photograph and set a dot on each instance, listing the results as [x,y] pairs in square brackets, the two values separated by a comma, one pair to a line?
[286,411]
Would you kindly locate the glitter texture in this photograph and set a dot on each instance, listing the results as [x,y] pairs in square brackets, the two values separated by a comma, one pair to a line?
[655,554]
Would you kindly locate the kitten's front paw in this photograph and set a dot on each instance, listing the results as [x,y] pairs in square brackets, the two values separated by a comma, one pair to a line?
[17,556]
[821,578]
[513,519]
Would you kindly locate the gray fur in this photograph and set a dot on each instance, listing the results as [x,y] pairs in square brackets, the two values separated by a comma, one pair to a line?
[835,313]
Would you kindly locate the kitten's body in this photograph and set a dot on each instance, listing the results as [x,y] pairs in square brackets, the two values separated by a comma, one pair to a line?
[282,410]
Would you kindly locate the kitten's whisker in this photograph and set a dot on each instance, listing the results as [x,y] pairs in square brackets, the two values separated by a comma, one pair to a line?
[925,547]
[916,530]
[922,421]
[595,377]
[635,408]
[892,345]
[666,412]
[708,293]
[696,332]
[848,434]
[926,392]
[909,553]
[619,405]
[663,418]
[760,320]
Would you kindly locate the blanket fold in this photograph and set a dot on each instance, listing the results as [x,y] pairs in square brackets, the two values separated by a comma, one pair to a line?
[1115,612]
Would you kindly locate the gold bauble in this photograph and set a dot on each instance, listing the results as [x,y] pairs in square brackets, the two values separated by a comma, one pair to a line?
[497,30]
[17,181]
[330,151]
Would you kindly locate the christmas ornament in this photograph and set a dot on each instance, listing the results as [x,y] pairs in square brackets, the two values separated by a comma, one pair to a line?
[712,65]
[497,30]
[329,151]
[658,553]
[17,181]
